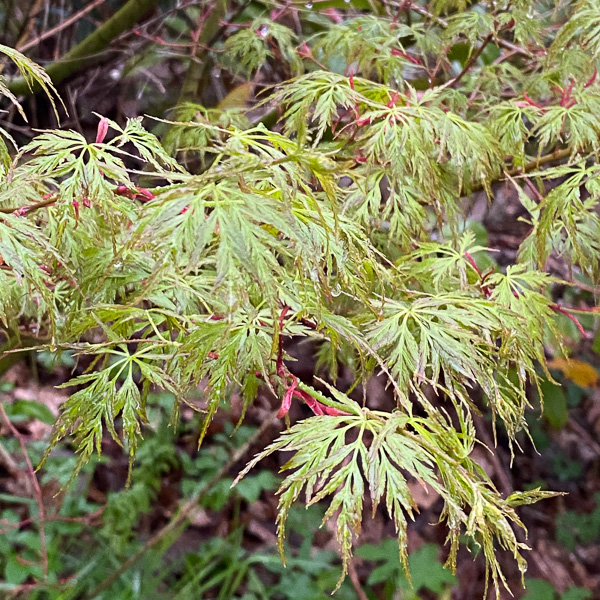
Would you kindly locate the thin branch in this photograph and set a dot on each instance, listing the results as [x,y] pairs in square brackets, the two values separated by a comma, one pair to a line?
[209,28]
[354,578]
[28,23]
[470,62]
[36,487]
[86,520]
[9,464]
[72,19]
[28,587]
[528,167]
[25,210]
[564,311]
[210,31]
[538,162]
[11,347]
[88,50]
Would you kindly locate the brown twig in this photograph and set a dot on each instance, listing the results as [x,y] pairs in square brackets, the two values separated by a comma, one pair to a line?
[538,162]
[584,286]
[28,587]
[36,488]
[28,23]
[72,19]
[528,167]
[532,187]
[25,210]
[89,50]
[471,61]
[354,578]
[9,463]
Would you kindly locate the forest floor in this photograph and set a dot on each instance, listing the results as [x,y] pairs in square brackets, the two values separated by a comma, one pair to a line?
[564,532]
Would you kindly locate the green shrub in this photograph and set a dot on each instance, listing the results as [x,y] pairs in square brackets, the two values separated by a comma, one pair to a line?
[347,225]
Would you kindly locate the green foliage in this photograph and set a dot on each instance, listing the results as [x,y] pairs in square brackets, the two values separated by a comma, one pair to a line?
[537,589]
[220,565]
[249,49]
[156,457]
[583,28]
[373,44]
[574,527]
[182,138]
[332,459]
[33,74]
[555,404]
[426,572]
[347,225]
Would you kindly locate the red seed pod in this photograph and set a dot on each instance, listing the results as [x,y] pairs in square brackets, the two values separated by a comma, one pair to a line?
[304,50]
[144,193]
[287,399]
[102,130]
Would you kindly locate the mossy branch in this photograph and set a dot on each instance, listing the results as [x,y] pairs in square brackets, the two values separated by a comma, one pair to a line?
[88,51]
